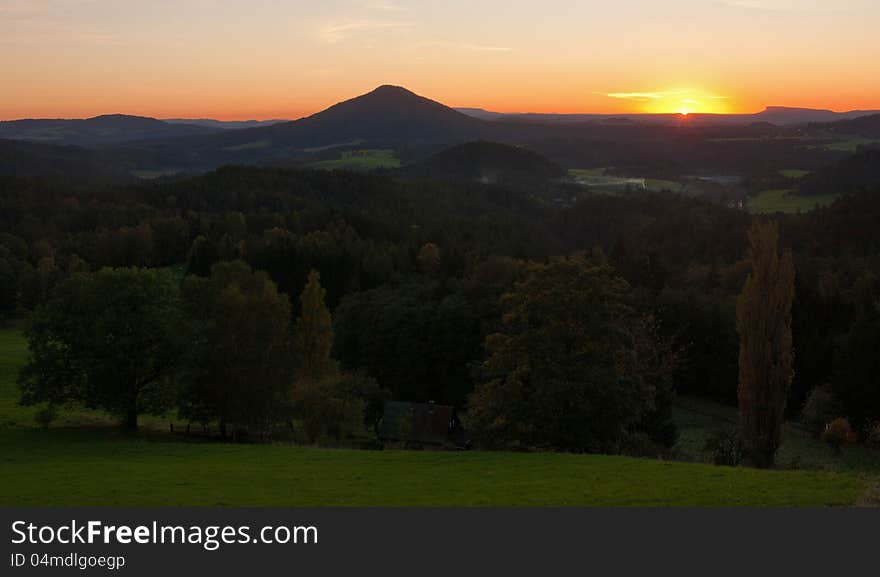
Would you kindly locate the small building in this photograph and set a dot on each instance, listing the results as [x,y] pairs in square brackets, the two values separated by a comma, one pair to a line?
[421,424]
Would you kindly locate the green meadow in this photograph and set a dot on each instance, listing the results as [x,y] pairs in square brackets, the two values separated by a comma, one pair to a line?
[83,459]
[772,201]
[794,173]
[367,159]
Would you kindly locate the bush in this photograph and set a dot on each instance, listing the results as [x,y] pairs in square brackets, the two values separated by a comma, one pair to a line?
[838,433]
[45,416]
[872,434]
[327,410]
[726,447]
[820,408]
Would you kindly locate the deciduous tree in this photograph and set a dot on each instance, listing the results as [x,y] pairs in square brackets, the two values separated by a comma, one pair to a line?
[763,321]
[107,340]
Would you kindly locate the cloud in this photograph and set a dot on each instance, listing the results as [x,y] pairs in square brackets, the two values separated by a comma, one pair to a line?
[23,8]
[333,33]
[384,6]
[804,6]
[39,32]
[463,46]
[640,96]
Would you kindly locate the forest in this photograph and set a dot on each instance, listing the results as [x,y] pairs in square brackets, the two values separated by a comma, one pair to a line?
[272,300]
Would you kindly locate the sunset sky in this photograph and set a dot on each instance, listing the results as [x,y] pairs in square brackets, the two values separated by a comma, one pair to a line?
[288,58]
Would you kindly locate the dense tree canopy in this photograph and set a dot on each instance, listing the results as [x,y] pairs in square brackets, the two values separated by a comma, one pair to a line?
[575,365]
[237,368]
[108,340]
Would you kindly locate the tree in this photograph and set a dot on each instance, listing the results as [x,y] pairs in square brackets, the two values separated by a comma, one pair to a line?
[763,321]
[575,366]
[314,332]
[238,366]
[107,340]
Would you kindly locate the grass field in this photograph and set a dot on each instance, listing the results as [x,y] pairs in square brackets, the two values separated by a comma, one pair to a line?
[367,159]
[851,145]
[58,468]
[83,460]
[794,173]
[771,201]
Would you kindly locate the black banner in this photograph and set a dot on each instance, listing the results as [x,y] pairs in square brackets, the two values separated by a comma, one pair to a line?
[453,542]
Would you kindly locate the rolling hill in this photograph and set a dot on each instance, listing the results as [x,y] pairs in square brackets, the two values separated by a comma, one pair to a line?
[109,129]
[60,163]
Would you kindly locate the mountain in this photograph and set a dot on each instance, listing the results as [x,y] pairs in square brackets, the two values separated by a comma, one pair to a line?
[387,117]
[388,114]
[103,130]
[225,124]
[488,162]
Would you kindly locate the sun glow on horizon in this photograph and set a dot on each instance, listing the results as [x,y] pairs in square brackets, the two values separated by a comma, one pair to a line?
[681,101]
[82,58]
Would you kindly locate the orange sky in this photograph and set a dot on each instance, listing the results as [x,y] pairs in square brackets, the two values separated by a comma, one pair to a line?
[270,59]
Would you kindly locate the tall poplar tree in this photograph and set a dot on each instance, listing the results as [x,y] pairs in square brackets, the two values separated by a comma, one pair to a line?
[314,332]
[763,321]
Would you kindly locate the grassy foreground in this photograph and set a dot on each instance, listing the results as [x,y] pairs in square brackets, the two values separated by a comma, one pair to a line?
[81,468]
[83,460]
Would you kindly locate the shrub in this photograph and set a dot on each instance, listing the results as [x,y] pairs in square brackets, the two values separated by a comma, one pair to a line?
[726,447]
[45,416]
[327,410]
[820,408]
[838,433]
[872,434]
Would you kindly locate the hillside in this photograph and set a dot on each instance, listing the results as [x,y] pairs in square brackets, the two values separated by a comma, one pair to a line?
[98,131]
[864,126]
[488,162]
[68,164]
[856,172]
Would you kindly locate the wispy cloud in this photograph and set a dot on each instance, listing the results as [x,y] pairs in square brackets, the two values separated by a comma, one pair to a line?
[38,32]
[22,8]
[804,6]
[333,33]
[640,96]
[469,46]
[385,6]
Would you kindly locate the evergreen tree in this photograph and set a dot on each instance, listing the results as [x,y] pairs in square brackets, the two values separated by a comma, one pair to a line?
[763,321]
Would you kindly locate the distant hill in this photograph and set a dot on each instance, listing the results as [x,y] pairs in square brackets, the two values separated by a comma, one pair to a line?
[864,126]
[98,131]
[782,115]
[776,115]
[225,124]
[488,162]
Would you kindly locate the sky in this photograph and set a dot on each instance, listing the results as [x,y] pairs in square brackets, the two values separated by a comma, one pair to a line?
[289,58]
